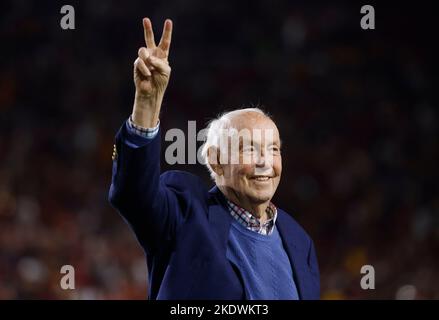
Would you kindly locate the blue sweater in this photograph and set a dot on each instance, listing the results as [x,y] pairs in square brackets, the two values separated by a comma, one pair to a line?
[263,263]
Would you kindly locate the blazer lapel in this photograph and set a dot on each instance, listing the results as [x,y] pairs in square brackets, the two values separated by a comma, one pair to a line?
[297,255]
[219,217]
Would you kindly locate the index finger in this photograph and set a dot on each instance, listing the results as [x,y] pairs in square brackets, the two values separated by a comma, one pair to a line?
[165,41]
[148,33]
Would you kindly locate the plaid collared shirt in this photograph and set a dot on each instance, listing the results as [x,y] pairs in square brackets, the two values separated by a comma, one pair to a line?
[252,223]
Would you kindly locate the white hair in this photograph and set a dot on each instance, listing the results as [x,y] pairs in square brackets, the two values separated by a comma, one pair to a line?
[214,129]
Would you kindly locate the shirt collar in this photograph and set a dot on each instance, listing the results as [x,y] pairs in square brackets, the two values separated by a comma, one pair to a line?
[248,220]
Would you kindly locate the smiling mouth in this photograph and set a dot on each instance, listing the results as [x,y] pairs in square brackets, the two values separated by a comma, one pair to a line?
[261,178]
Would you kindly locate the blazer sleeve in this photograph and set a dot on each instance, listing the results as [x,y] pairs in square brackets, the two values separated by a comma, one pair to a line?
[137,192]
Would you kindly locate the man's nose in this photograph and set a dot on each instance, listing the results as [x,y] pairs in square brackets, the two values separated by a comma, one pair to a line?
[263,159]
[260,160]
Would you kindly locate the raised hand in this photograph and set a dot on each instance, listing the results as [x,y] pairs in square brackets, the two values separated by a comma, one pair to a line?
[151,75]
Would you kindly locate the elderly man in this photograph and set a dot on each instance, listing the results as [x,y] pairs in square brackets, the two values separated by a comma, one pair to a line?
[230,242]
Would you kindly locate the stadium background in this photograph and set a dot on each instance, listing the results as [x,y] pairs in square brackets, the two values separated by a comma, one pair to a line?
[356,109]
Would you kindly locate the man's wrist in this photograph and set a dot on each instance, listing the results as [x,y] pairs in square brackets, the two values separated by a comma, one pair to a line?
[146,111]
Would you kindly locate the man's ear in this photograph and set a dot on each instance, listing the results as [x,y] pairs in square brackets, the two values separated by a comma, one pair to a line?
[213,157]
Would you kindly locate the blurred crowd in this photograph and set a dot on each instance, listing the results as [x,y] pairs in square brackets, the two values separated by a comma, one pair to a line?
[355,109]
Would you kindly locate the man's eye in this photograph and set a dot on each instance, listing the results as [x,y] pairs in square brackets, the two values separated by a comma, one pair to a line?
[248,149]
[274,149]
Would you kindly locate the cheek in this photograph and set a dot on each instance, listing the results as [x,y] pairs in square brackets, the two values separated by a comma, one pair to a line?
[244,170]
[277,165]
[228,173]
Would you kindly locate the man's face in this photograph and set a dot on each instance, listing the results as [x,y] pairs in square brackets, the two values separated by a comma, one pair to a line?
[256,176]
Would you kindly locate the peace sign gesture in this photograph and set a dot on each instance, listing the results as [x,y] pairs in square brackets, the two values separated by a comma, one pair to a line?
[151,73]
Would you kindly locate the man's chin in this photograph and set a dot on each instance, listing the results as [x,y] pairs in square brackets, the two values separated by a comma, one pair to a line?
[261,197]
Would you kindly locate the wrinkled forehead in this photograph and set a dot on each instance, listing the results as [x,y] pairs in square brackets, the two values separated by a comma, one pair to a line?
[255,127]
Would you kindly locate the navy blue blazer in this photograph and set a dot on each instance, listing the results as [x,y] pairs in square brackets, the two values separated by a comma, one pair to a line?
[183,228]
